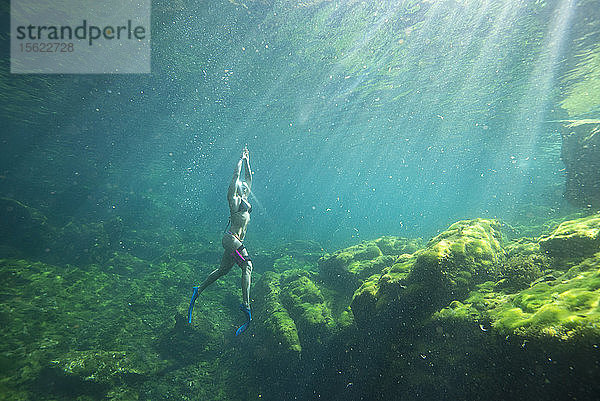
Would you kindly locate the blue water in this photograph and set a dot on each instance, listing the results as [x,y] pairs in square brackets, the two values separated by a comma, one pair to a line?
[362,119]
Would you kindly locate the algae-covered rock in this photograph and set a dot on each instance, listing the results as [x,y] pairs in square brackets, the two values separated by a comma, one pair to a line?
[364,301]
[467,253]
[306,305]
[293,314]
[454,262]
[390,245]
[522,246]
[347,268]
[106,367]
[520,271]
[565,308]
[574,239]
[381,291]
[275,326]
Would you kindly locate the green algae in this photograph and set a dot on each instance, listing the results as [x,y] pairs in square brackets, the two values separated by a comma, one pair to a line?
[519,271]
[100,329]
[573,239]
[278,328]
[118,328]
[451,264]
[347,268]
[390,245]
[565,308]
[527,293]
[467,253]
[306,305]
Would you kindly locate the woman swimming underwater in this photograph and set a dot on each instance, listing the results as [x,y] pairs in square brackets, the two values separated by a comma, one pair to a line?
[233,240]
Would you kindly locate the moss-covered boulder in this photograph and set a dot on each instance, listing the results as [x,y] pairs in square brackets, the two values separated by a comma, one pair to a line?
[469,252]
[522,246]
[273,323]
[564,308]
[106,367]
[293,314]
[574,239]
[520,271]
[454,262]
[380,291]
[390,245]
[347,268]
[306,305]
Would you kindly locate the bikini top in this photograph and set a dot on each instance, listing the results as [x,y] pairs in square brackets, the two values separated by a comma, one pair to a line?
[245,206]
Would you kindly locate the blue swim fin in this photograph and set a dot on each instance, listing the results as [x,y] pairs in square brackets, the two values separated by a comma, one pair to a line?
[192,302]
[244,326]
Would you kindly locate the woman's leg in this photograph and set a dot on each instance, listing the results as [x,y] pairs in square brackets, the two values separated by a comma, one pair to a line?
[227,263]
[246,278]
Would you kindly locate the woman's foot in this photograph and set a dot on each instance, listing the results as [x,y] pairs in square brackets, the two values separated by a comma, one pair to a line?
[242,328]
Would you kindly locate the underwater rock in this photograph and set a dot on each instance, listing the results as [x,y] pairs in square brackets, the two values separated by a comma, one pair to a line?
[295,313]
[390,245]
[277,328]
[123,263]
[105,367]
[564,308]
[380,291]
[519,271]
[522,246]
[347,268]
[581,156]
[289,262]
[466,254]
[525,263]
[574,239]
[306,305]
